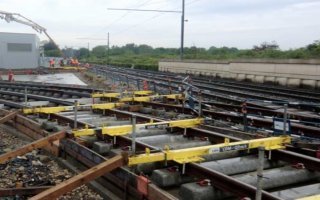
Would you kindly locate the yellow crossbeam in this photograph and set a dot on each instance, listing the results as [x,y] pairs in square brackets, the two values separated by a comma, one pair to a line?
[57,109]
[195,154]
[127,129]
[116,95]
[150,98]
[109,95]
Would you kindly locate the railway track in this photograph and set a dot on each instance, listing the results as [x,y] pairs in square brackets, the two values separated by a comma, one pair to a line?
[227,82]
[261,111]
[176,140]
[225,94]
[259,122]
[210,83]
[220,171]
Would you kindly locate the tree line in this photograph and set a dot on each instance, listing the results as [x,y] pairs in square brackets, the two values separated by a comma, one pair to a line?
[145,56]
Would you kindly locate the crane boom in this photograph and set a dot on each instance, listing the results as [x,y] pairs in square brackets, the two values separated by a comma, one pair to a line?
[9,17]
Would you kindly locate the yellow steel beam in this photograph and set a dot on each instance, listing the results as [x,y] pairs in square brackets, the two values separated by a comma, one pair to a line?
[136,99]
[47,110]
[106,106]
[116,94]
[50,110]
[149,98]
[127,129]
[110,95]
[315,197]
[143,92]
[195,154]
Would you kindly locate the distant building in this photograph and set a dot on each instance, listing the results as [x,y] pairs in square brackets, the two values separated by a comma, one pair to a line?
[19,50]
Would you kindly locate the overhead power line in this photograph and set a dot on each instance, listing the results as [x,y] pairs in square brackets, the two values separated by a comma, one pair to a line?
[146,10]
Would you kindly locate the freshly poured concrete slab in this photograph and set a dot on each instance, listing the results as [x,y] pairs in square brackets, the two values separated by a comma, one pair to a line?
[62,78]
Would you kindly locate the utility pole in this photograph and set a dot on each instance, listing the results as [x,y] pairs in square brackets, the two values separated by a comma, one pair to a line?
[182,30]
[88,49]
[108,49]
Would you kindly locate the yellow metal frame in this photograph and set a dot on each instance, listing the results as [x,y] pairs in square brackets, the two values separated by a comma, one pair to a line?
[149,98]
[116,94]
[110,95]
[315,197]
[51,110]
[127,129]
[195,154]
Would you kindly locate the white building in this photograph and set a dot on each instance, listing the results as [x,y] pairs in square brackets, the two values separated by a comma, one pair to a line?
[19,50]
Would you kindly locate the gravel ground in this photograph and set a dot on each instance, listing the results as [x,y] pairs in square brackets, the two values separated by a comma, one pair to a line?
[35,169]
[9,142]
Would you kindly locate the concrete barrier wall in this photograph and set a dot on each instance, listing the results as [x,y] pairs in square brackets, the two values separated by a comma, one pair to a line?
[297,73]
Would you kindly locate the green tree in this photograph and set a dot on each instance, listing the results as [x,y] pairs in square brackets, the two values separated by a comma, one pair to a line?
[83,52]
[99,51]
[314,48]
[51,50]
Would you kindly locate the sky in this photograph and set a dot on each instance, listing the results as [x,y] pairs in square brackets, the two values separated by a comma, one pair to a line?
[231,23]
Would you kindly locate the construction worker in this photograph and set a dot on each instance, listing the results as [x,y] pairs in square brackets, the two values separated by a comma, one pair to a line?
[76,62]
[10,76]
[61,63]
[51,62]
[244,112]
[72,63]
[145,85]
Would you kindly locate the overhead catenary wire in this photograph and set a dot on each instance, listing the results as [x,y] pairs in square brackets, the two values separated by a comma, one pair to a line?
[152,18]
[118,19]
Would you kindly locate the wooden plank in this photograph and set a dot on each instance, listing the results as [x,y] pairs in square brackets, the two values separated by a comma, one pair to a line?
[81,179]
[8,117]
[34,145]
[4,112]
[6,192]
[27,131]
[30,123]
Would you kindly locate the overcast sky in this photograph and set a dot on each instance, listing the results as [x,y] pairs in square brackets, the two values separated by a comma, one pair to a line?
[232,23]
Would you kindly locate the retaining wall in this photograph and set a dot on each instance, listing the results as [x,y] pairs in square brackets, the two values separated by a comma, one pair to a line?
[290,72]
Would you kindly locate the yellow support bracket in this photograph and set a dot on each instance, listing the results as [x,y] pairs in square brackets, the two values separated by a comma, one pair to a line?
[127,129]
[195,154]
[51,110]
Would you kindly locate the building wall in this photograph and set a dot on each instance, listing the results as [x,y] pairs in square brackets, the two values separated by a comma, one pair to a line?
[19,50]
[305,73]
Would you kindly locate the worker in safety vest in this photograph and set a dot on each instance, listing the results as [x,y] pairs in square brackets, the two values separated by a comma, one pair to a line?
[52,61]
[76,62]
[145,85]
[10,76]
[72,63]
